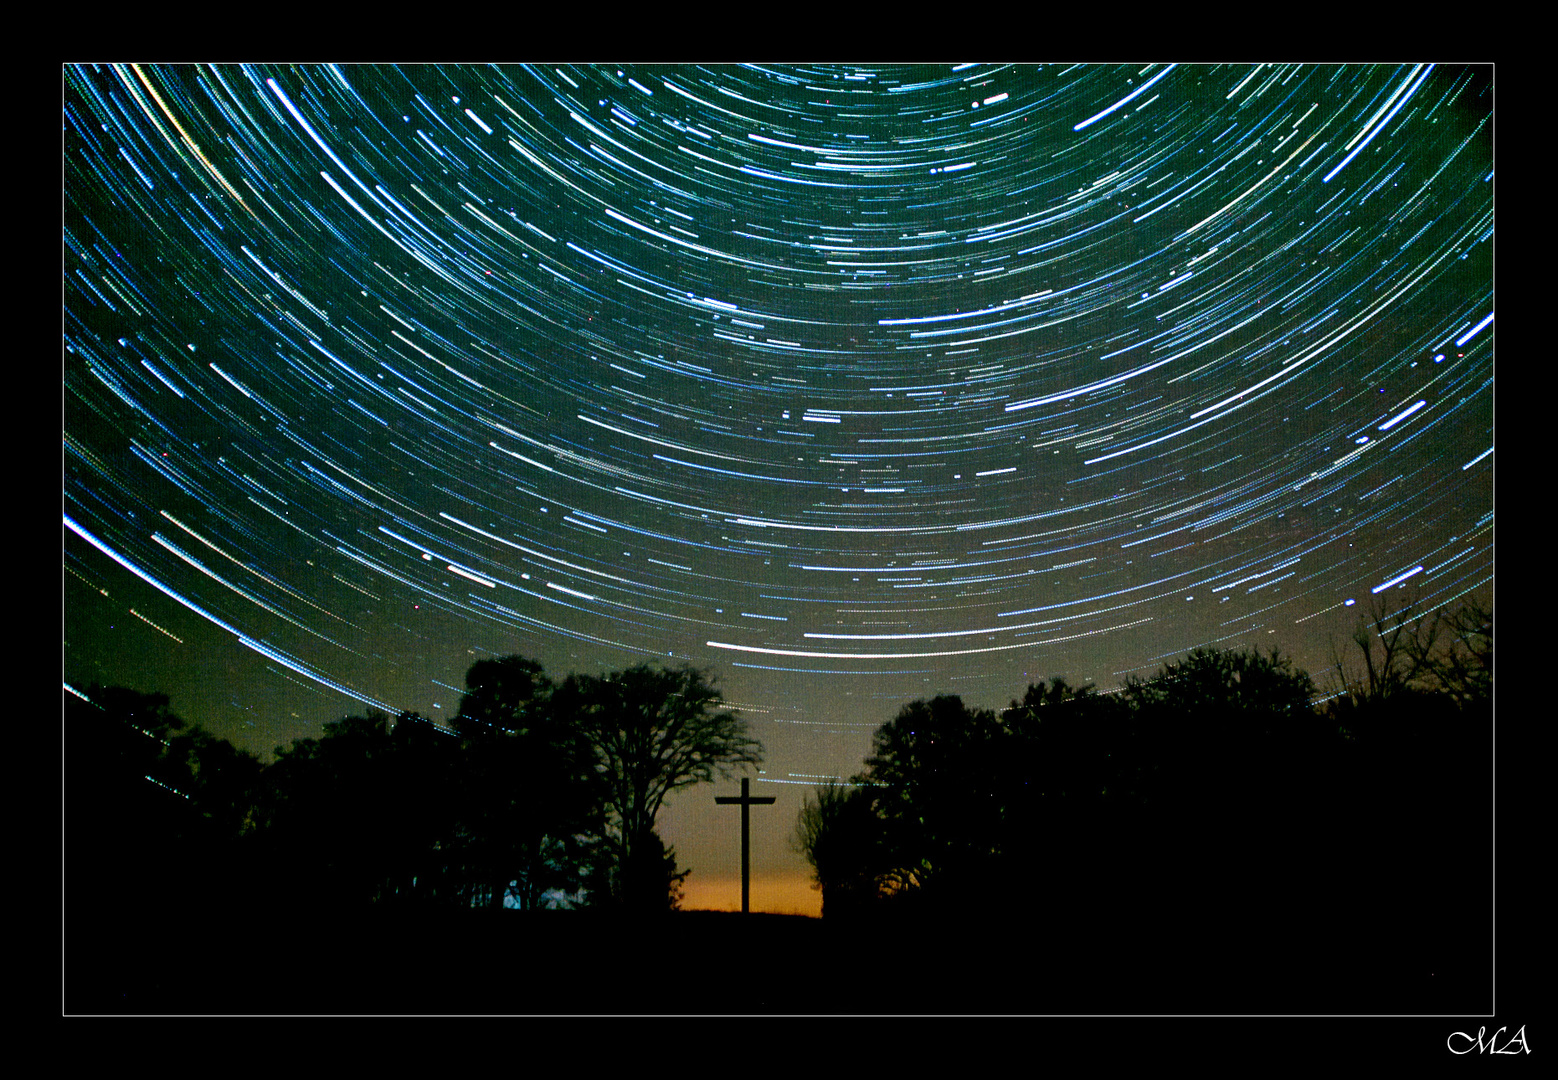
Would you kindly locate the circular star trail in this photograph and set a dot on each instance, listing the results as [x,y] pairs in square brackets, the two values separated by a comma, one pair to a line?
[851,384]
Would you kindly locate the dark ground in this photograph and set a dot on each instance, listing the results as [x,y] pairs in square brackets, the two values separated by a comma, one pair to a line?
[581,963]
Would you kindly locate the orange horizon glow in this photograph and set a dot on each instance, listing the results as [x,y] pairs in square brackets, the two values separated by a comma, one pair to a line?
[773,894]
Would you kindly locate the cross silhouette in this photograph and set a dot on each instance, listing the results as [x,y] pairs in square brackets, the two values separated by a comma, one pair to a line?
[746,801]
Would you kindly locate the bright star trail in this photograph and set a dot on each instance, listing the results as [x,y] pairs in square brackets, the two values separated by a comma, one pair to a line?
[853,385]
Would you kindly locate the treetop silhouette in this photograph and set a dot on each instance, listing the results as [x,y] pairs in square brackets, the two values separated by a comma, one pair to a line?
[654,730]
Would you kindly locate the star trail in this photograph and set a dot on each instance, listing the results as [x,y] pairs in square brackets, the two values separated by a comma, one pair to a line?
[851,384]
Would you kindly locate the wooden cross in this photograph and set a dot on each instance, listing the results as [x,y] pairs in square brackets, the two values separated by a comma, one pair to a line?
[746,801]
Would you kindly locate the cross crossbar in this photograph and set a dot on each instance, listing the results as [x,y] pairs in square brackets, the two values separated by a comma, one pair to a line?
[746,801]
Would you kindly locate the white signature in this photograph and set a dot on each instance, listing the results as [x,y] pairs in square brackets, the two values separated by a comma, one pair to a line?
[1486,1044]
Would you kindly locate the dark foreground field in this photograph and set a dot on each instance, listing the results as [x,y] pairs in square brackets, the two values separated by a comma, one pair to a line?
[720,963]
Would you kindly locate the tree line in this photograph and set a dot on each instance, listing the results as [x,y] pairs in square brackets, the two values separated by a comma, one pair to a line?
[1222,795]
[1219,809]
[536,794]
[1225,768]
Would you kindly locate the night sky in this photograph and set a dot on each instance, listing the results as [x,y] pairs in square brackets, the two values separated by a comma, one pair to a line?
[851,385]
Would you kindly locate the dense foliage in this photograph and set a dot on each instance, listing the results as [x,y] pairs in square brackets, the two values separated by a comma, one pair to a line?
[1224,797]
[535,795]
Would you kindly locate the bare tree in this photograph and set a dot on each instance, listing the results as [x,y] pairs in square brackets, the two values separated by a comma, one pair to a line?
[1457,659]
[1446,651]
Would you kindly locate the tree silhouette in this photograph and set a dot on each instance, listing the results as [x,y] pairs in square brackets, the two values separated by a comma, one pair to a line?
[1393,649]
[532,798]
[1070,779]
[1070,746]
[935,778]
[1463,666]
[220,783]
[323,813]
[424,772]
[1211,725]
[654,730]
[651,881]
[1070,799]
[1398,653]
[142,788]
[1228,761]
[1415,712]
[840,836]
[154,813]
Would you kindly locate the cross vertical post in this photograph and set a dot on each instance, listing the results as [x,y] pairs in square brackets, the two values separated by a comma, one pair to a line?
[746,802]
